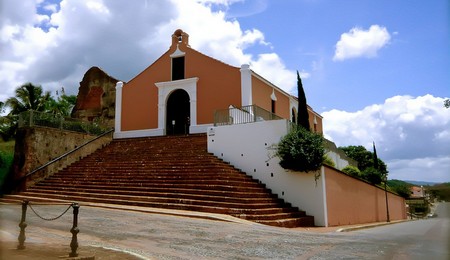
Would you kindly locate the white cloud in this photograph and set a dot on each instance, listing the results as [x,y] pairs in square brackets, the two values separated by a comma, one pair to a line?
[360,43]
[120,38]
[275,71]
[406,129]
[433,169]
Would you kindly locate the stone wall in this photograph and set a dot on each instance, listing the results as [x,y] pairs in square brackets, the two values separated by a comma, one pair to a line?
[38,145]
[96,98]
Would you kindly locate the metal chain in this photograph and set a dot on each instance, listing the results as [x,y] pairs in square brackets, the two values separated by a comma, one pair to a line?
[50,219]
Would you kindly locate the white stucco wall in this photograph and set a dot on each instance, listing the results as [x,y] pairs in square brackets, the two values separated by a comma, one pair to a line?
[248,147]
[340,163]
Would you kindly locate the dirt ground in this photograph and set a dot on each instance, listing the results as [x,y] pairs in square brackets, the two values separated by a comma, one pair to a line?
[9,251]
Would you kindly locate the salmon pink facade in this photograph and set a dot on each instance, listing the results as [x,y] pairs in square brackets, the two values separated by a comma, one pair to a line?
[180,92]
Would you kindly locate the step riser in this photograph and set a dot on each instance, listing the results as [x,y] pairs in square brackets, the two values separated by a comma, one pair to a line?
[166,172]
[217,193]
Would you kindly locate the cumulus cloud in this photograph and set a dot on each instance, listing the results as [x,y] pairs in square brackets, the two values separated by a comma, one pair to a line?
[54,43]
[361,43]
[433,169]
[406,129]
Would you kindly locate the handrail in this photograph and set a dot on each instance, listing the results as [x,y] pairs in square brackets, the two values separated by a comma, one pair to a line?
[34,118]
[64,155]
[242,115]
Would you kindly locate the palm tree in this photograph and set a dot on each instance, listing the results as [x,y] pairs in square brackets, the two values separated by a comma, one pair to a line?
[28,97]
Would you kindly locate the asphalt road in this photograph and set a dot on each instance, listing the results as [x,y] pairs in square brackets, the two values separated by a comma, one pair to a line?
[420,239]
[156,236]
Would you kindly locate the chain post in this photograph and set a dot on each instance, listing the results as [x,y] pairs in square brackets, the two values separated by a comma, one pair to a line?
[74,231]
[23,225]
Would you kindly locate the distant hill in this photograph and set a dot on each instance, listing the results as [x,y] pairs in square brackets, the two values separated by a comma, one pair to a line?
[423,183]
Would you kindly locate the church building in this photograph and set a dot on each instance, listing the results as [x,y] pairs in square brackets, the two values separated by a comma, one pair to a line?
[181,91]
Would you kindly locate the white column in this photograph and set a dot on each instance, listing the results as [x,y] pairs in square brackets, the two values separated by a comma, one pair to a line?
[246,85]
[162,109]
[193,106]
[324,194]
[118,117]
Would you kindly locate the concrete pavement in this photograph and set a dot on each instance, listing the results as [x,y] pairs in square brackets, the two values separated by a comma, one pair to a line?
[149,233]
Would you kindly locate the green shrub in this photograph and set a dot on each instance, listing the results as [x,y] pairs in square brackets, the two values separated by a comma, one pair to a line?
[328,161]
[6,160]
[352,171]
[372,175]
[301,150]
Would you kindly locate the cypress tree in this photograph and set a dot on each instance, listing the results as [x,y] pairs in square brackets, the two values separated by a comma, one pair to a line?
[302,116]
[375,157]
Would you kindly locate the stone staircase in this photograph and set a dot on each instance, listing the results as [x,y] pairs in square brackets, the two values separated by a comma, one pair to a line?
[165,172]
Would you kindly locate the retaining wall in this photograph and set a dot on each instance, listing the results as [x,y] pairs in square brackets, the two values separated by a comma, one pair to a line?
[35,146]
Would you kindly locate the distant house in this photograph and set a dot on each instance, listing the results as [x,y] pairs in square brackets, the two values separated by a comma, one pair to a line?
[417,192]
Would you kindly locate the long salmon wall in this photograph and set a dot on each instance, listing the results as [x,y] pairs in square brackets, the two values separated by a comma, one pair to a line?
[352,201]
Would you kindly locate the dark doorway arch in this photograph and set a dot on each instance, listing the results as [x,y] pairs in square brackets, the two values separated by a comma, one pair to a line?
[178,113]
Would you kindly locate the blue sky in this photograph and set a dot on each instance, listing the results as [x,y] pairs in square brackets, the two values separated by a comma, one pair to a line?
[415,61]
[375,70]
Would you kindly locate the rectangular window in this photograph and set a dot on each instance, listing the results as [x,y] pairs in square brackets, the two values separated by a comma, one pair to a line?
[178,68]
[273,106]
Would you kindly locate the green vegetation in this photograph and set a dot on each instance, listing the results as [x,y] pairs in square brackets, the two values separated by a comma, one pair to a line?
[328,161]
[352,171]
[439,191]
[6,160]
[301,150]
[31,97]
[372,168]
[402,188]
[303,115]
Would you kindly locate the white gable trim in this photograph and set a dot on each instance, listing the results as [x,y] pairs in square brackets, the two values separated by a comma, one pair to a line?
[177,53]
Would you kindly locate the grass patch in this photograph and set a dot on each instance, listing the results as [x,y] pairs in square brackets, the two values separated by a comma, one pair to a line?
[7,146]
[6,159]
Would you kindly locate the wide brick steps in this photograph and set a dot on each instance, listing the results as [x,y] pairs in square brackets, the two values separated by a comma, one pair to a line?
[165,172]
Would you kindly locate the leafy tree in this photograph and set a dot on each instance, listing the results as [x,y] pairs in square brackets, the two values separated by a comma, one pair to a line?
[372,175]
[7,127]
[366,163]
[447,103]
[400,187]
[301,150]
[363,157]
[440,191]
[62,105]
[352,171]
[302,116]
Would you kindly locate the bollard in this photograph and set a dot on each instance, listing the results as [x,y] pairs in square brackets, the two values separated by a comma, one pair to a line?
[23,225]
[74,231]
